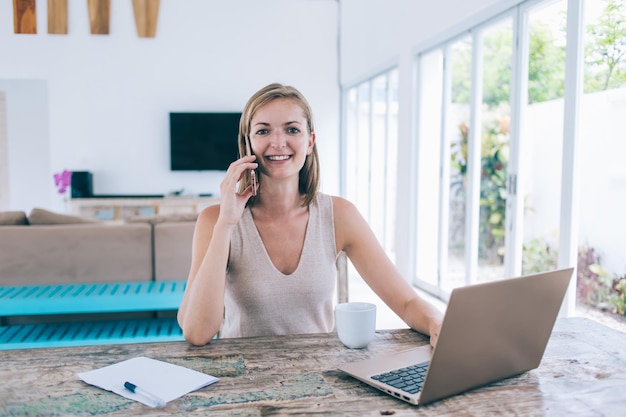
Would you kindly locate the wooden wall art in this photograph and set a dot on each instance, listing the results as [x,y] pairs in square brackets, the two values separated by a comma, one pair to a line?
[99,14]
[24,16]
[146,16]
[57,17]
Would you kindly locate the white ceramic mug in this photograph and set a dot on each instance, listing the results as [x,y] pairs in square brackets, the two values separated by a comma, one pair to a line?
[356,323]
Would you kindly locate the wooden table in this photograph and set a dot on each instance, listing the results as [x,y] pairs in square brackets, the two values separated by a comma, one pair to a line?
[583,373]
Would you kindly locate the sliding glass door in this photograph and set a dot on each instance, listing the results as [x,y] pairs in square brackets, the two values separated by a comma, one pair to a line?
[541,134]
[463,136]
[516,140]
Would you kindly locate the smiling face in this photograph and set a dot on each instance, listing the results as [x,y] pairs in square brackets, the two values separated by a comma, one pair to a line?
[278,108]
[280,137]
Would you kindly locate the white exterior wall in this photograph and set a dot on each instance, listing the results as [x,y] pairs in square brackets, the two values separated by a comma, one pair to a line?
[602,174]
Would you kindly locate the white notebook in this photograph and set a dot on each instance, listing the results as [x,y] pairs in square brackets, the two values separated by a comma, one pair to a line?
[157,379]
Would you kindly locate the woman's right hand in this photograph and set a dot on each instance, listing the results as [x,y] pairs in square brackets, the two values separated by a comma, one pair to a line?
[233,203]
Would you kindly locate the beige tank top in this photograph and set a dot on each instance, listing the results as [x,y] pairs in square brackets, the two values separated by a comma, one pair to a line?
[261,301]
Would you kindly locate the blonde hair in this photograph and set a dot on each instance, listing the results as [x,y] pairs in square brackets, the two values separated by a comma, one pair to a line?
[310,173]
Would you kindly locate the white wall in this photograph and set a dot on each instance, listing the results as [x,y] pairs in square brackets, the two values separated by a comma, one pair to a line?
[27,147]
[108,96]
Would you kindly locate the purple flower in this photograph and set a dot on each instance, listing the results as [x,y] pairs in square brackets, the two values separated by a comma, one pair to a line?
[62,180]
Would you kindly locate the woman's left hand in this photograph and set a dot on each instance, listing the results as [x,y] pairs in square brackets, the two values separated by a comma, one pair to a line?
[434,328]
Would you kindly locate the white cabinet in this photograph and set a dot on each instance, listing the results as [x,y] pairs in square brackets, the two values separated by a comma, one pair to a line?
[124,207]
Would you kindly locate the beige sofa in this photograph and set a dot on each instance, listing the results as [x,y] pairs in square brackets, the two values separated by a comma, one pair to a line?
[50,248]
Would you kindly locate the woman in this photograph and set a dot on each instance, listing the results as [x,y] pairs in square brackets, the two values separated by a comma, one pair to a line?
[263,260]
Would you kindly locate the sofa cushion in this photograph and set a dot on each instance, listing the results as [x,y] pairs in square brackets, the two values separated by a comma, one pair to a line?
[13,218]
[61,254]
[172,250]
[42,216]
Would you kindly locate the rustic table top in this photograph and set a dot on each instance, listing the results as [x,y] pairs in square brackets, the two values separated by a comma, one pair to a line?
[583,373]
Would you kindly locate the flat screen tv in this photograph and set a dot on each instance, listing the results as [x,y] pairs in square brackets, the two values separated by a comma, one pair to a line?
[203,141]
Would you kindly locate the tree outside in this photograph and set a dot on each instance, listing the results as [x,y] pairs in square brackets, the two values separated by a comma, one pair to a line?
[605,52]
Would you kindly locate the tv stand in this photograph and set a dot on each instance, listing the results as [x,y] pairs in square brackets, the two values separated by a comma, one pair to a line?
[118,196]
[120,207]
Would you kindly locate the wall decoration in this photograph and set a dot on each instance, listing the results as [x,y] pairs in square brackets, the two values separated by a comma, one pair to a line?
[24,16]
[146,16]
[57,17]
[99,14]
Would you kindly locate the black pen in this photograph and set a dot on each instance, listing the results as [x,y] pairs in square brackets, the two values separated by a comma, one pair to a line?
[151,398]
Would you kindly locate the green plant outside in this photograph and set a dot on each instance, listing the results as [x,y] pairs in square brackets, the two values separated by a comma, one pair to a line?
[493,176]
[538,256]
[594,285]
[619,299]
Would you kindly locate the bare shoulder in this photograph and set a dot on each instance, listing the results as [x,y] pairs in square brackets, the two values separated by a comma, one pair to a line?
[209,215]
[343,209]
[350,227]
[205,224]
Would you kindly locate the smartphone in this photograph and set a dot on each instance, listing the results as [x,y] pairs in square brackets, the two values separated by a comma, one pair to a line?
[255,184]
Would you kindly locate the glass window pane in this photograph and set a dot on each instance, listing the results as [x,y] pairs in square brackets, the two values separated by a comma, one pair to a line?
[429,132]
[378,161]
[363,150]
[602,230]
[457,132]
[371,112]
[542,137]
[496,115]
[351,115]
[392,163]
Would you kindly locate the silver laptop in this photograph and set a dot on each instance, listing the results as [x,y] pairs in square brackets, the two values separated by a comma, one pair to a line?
[490,332]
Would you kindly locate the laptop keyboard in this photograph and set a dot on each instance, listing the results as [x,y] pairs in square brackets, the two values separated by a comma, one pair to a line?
[409,379]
